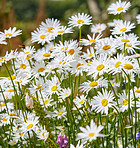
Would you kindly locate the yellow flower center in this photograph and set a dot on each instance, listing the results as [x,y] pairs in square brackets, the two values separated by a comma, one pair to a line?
[98,29]
[54,88]
[46,102]
[8,34]
[128,45]
[12,76]
[104,102]
[71,51]
[123,29]
[26,52]
[12,114]
[22,66]
[117,64]
[29,126]
[106,47]
[92,41]
[11,90]
[61,31]
[41,69]
[28,57]
[93,84]
[1,59]
[91,134]
[47,55]
[64,48]
[100,67]
[4,119]
[89,63]
[42,36]
[79,65]
[80,21]
[4,58]
[20,81]
[128,66]
[137,91]
[124,40]
[60,113]
[39,86]
[120,8]
[20,134]
[81,102]
[3,104]
[125,102]
[50,29]
[90,55]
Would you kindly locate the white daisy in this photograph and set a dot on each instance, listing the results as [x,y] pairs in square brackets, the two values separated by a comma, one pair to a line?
[98,28]
[10,33]
[123,27]
[99,66]
[40,37]
[123,101]
[90,132]
[64,29]
[118,7]
[106,46]
[79,20]
[51,27]
[115,23]
[91,40]
[103,101]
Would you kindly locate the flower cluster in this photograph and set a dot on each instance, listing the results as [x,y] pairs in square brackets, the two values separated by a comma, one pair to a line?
[72,89]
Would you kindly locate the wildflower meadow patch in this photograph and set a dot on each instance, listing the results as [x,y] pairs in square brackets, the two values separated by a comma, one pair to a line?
[63,96]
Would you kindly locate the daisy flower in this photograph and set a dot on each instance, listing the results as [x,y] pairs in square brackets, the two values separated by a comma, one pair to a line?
[102,102]
[30,124]
[89,54]
[43,134]
[80,20]
[118,7]
[27,53]
[106,46]
[138,18]
[89,85]
[40,37]
[39,69]
[115,22]
[123,27]
[77,66]
[131,42]
[52,86]
[51,27]
[45,100]
[10,33]
[98,28]
[123,101]
[64,93]
[99,66]
[42,54]
[63,30]
[116,64]
[90,132]
[91,40]
[80,102]
[60,113]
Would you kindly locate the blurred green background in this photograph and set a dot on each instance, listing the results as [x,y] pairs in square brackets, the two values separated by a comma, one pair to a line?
[28,14]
